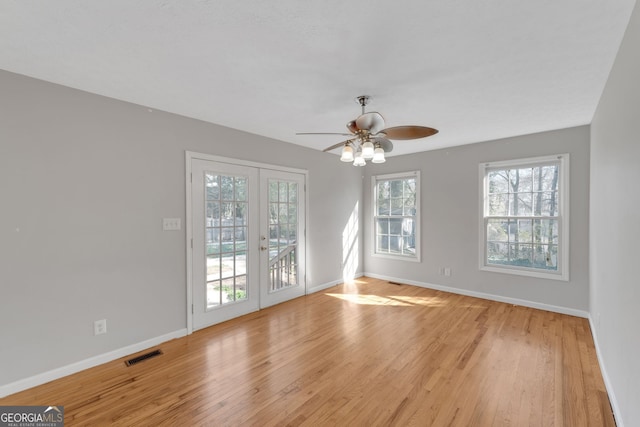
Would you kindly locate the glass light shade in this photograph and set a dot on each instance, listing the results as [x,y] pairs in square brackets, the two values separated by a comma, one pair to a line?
[378,156]
[359,161]
[347,154]
[367,150]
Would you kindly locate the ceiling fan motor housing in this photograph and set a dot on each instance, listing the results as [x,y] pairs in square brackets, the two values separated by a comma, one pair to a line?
[372,122]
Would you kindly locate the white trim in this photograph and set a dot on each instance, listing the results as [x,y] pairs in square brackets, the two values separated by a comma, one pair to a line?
[323,286]
[239,162]
[192,155]
[388,176]
[523,272]
[328,285]
[396,256]
[483,295]
[617,414]
[100,359]
[374,198]
[189,239]
[563,219]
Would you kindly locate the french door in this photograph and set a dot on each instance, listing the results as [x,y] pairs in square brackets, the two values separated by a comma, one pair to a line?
[282,236]
[246,239]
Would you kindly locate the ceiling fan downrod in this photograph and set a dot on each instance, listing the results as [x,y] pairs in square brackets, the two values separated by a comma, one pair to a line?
[363,100]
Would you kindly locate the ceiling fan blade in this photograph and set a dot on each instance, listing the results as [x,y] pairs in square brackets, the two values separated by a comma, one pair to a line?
[408,132]
[385,144]
[323,133]
[339,144]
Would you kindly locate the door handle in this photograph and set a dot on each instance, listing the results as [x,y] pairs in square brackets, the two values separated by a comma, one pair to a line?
[263,248]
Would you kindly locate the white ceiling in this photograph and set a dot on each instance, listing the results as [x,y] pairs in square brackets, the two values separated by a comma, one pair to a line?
[475,70]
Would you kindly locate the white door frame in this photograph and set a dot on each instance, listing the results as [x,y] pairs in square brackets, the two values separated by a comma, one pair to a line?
[191,155]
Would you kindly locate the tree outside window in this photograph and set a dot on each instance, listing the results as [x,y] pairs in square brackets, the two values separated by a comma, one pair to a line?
[396,199]
[523,216]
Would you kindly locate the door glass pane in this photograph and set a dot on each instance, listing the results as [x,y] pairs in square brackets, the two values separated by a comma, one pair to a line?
[213,293]
[284,214]
[241,189]
[283,245]
[293,212]
[293,192]
[284,192]
[241,214]
[284,235]
[212,186]
[226,187]
[225,237]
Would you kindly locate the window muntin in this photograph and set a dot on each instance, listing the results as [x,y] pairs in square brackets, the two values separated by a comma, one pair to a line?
[523,217]
[396,200]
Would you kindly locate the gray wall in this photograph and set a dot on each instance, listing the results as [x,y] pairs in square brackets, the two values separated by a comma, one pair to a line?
[450,219]
[85,181]
[615,227]
[84,184]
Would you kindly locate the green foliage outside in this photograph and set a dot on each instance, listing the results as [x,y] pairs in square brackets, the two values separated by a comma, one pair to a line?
[227,247]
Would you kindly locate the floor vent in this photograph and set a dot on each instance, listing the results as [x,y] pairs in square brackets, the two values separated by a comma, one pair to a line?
[396,283]
[142,357]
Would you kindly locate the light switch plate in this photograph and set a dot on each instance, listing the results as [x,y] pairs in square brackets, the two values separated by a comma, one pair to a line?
[171,224]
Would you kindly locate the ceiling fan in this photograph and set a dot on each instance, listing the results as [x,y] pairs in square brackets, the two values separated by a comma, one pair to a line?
[369,139]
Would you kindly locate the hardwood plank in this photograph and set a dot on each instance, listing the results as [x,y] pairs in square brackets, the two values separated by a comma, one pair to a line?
[368,353]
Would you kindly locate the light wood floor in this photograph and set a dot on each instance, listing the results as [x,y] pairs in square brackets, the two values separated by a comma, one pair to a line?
[366,354]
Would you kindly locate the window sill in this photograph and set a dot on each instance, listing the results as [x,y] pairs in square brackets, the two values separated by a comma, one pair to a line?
[526,272]
[397,257]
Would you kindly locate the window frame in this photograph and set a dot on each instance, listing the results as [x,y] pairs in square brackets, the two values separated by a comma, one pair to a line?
[374,184]
[562,160]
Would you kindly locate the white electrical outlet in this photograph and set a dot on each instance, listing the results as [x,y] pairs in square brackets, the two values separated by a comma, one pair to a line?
[447,271]
[171,224]
[100,327]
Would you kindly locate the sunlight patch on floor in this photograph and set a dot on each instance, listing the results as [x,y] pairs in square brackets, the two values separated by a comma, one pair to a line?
[398,300]
[427,301]
[393,300]
[364,299]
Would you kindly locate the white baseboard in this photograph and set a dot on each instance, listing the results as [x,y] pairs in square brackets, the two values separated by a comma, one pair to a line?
[492,297]
[324,286]
[607,383]
[63,371]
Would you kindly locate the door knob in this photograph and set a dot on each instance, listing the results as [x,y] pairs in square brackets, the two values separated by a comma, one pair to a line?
[263,248]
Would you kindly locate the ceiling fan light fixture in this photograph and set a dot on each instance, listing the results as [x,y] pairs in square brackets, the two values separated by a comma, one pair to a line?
[347,154]
[369,139]
[378,156]
[367,150]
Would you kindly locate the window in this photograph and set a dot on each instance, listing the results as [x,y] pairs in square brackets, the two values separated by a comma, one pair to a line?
[525,222]
[396,215]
